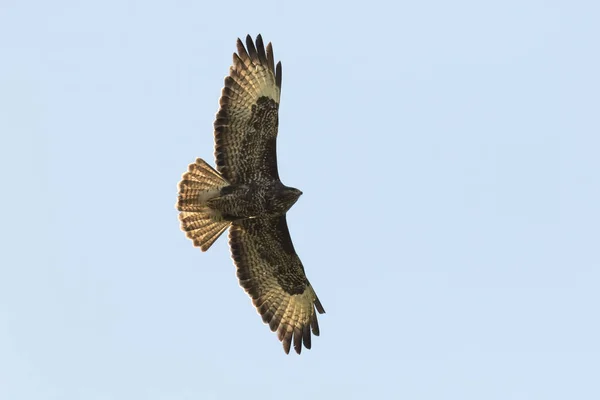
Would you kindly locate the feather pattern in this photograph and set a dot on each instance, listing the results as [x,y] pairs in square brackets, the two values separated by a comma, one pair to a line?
[247,121]
[272,274]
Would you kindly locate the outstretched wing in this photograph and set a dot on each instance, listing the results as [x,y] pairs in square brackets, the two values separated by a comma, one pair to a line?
[246,124]
[270,271]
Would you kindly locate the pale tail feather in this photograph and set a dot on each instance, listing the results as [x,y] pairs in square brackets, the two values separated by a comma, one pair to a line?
[201,228]
[201,224]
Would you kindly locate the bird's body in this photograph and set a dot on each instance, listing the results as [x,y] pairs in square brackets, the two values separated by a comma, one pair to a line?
[246,195]
[253,200]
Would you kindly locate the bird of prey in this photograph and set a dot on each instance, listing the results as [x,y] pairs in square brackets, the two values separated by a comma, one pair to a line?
[245,194]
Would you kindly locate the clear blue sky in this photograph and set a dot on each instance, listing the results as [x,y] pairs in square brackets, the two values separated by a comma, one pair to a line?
[449,157]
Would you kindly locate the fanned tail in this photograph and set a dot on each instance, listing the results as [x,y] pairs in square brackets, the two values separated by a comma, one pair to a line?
[200,223]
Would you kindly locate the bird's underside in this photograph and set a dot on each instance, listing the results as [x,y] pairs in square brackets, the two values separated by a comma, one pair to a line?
[245,194]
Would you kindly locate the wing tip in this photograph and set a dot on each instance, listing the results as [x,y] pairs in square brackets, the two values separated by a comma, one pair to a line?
[319,306]
[278,75]
[251,48]
[289,331]
[255,50]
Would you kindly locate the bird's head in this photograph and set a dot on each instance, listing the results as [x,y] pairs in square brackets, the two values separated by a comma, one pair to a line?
[288,196]
[292,195]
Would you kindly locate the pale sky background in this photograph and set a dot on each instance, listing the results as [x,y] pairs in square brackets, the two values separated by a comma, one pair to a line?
[449,157]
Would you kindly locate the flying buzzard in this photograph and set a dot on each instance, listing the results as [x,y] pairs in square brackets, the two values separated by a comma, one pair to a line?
[247,196]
